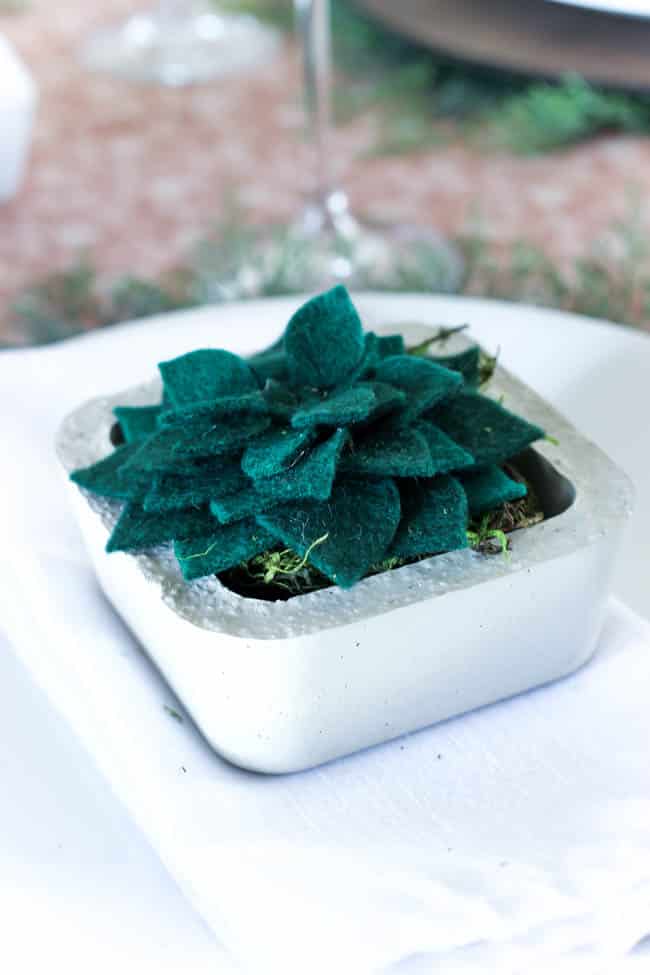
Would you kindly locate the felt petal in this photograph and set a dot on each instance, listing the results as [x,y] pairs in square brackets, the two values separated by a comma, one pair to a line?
[280,401]
[202,466]
[490,432]
[369,359]
[110,478]
[224,548]
[324,341]
[467,363]
[201,437]
[419,451]
[172,491]
[424,382]
[446,455]
[359,520]
[399,453]
[224,406]
[489,489]
[270,365]
[391,345]
[434,518]
[206,374]
[138,529]
[340,408]
[137,422]
[387,399]
[274,451]
[311,478]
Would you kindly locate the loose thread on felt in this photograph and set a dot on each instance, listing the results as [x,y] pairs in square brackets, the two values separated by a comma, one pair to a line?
[199,555]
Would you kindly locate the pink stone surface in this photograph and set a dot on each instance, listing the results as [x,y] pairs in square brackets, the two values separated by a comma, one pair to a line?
[133,175]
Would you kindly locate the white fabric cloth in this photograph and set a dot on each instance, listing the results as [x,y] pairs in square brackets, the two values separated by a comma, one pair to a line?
[504,841]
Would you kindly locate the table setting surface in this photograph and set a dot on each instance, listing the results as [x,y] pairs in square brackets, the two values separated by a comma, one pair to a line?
[446,846]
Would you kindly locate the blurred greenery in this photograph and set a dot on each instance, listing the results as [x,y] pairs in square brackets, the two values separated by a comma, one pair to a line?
[418,99]
[13,6]
[421,98]
[611,281]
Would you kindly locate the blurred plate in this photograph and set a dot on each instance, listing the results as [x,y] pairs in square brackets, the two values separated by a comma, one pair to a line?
[528,36]
[627,8]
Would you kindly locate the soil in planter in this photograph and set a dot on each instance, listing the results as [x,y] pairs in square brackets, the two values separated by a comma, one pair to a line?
[281,574]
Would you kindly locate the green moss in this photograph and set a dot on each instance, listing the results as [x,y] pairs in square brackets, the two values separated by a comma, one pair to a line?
[489,532]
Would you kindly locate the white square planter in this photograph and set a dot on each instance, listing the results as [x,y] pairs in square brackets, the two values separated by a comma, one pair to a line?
[279,687]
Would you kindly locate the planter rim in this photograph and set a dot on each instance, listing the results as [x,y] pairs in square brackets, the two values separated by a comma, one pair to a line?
[604,498]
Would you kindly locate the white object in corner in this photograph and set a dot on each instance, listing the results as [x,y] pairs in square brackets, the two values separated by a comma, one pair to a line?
[18,98]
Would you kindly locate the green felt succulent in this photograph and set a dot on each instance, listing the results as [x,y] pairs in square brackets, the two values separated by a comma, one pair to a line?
[334,443]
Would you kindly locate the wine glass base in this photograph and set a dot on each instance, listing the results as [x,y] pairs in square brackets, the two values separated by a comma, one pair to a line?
[365,257]
[183,51]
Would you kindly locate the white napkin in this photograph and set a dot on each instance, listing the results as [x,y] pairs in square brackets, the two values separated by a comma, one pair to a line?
[504,841]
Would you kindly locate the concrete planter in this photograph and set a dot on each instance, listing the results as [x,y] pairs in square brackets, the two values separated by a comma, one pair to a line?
[279,687]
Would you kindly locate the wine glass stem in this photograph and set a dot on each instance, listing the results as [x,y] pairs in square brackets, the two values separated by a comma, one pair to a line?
[314,28]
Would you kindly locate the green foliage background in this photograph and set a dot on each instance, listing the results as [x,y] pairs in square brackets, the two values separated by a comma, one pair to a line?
[420,99]
[423,98]
[612,281]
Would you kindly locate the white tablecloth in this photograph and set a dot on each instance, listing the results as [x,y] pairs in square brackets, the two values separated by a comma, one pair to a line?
[81,890]
[510,839]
